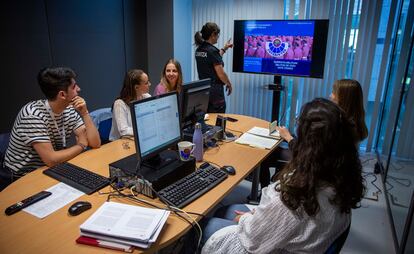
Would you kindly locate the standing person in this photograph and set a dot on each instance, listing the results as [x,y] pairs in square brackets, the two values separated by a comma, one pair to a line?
[347,93]
[171,78]
[210,65]
[136,87]
[310,204]
[42,127]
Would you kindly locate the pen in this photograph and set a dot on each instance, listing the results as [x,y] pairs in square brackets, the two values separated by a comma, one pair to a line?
[104,244]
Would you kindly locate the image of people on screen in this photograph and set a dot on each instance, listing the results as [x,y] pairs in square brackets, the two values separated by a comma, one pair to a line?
[279,47]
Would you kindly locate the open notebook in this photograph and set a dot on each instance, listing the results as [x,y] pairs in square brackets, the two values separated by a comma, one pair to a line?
[260,137]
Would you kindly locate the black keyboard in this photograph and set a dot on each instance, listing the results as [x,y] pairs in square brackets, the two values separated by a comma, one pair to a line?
[77,177]
[191,187]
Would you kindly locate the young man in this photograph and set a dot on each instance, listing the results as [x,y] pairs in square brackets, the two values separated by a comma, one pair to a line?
[42,128]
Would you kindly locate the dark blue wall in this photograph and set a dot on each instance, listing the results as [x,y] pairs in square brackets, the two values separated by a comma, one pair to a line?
[99,39]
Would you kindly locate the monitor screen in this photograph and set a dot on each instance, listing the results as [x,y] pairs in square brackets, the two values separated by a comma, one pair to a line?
[156,124]
[195,101]
[280,47]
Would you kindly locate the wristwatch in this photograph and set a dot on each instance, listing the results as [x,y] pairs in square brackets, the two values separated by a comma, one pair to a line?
[84,148]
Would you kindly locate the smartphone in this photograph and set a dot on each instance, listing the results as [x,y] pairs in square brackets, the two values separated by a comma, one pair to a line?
[231,119]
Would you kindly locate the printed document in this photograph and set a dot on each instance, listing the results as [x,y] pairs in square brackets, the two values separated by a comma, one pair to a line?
[62,194]
[125,224]
[264,132]
[256,141]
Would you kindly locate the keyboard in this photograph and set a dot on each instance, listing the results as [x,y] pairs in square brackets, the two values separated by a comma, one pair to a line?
[77,177]
[191,187]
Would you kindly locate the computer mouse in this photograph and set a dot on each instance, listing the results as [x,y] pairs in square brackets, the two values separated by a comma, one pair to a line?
[79,207]
[229,169]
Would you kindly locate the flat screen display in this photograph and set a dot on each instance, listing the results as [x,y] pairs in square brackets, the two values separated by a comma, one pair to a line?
[156,124]
[280,47]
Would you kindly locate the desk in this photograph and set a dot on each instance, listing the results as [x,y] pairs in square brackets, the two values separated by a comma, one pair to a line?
[57,232]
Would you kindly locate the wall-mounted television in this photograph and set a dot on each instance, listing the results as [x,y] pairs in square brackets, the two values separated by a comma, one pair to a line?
[280,47]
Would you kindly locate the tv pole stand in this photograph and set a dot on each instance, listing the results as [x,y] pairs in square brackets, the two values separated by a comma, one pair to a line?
[276,87]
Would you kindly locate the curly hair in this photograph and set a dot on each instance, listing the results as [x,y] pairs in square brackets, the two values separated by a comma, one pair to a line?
[323,155]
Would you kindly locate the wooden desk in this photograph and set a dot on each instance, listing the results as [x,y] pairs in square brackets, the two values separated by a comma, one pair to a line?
[22,232]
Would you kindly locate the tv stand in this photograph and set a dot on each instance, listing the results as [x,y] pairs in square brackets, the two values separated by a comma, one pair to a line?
[276,87]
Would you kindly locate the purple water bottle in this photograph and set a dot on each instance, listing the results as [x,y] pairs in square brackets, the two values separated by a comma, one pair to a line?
[198,141]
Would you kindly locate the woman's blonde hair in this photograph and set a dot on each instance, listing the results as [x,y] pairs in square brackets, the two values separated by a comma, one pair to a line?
[172,87]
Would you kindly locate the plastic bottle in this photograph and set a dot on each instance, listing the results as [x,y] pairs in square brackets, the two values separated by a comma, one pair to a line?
[198,141]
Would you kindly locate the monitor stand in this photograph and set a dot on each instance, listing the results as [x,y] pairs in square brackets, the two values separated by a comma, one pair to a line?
[161,160]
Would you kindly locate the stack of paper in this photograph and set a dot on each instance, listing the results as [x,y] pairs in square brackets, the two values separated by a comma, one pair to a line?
[125,224]
[259,137]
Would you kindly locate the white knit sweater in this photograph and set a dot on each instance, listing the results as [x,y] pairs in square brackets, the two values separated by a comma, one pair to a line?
[273,228]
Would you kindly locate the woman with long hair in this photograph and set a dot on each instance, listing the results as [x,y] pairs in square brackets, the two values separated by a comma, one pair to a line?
[310,204]
[347,93]
[135,87]
[171,78]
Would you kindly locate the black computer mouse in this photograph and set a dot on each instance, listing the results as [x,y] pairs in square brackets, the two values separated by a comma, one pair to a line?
[229,169]
[79,207]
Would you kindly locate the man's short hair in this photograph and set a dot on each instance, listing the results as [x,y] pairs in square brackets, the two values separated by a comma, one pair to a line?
[54,80]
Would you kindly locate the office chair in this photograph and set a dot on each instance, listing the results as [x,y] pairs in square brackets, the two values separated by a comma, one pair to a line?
[339,242]
[4,142]
[102,118]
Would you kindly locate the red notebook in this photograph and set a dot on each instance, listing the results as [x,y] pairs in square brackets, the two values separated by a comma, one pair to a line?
[104,244]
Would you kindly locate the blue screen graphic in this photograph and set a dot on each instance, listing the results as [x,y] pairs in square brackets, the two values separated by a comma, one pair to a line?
[283,47]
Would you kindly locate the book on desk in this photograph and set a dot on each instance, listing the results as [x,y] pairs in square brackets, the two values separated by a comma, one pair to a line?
[125,224]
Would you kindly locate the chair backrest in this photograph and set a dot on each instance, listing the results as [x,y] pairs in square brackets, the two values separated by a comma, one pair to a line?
[339,242]
[102,118]
[4,142]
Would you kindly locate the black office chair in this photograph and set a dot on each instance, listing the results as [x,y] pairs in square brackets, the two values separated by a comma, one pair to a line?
[339,242]
[4,142]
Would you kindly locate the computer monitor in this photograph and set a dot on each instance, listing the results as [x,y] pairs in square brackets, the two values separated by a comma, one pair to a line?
[194,102]
[156,125]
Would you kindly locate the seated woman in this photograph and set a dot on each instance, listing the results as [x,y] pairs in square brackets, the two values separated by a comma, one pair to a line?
[310,204]
[347,93]
[136,87]
[171,78]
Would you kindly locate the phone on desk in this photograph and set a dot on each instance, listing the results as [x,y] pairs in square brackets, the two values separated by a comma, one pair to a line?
[231,119]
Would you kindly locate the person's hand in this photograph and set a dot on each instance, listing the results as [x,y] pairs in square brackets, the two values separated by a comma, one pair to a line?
[82,139]
[284,133]
[80,105]
[239,214]
[228,44]
[229,89]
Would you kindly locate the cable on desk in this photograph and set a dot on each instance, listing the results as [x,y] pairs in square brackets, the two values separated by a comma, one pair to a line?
[176,211]
[241,133]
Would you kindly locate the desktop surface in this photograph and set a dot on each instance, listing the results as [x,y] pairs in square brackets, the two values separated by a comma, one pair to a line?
[58,231]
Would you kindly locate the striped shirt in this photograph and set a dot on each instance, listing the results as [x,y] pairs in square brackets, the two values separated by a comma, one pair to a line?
[34,123]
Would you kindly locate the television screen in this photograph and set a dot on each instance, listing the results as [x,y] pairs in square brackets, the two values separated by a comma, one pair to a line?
[280,47]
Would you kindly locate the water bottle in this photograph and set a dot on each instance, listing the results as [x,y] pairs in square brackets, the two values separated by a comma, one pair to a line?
[198,141]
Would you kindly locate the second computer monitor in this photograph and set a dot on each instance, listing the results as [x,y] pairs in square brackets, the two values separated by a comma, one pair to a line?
[194,104]
[156,125]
